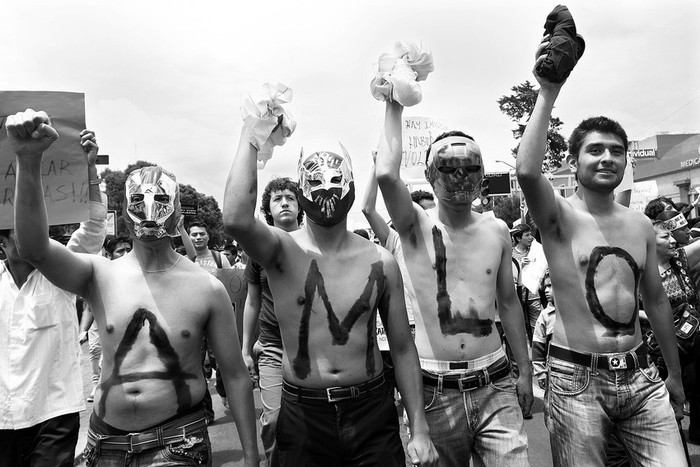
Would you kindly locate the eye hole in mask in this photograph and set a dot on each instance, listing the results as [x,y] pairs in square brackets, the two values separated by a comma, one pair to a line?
[472,169]
[161,198]
[137,198]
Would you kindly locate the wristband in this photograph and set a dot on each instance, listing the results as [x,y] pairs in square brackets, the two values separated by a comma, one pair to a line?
[96,181]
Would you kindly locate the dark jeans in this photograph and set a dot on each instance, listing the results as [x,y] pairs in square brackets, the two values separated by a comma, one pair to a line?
[360,431]
[48,444]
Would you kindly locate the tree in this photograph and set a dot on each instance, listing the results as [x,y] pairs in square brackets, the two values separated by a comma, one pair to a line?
[208,208]
[518,107]
[506,208]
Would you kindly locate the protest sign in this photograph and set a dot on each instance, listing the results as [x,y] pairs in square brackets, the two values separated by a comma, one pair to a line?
[418,133]
[64,170]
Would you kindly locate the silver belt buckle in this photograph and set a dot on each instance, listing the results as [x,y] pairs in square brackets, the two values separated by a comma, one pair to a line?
[617,362]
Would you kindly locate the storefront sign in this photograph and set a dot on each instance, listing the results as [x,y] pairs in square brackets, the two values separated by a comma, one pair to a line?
[690,163]
[642,153]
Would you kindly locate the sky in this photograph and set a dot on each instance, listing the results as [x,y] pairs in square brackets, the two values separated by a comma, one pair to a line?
[163,80]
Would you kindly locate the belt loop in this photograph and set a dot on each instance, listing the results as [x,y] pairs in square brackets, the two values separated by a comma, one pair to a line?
[439,384]
[159,435]
[594,364]
[637,366]
[487,377]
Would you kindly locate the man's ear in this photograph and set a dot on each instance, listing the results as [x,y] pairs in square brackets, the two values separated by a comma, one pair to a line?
[572,162]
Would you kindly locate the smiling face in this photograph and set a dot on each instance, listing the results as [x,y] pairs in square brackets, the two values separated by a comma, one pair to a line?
[665,243]
[601,161]
[455,170]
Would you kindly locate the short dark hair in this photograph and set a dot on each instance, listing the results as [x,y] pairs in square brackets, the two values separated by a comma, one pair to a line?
[601,125]
[198,223]
[419,195]
[5,232]
[111,245]
[361,233]
[519,230]
[444,135]
[657,206]
[231,247]
[278,184]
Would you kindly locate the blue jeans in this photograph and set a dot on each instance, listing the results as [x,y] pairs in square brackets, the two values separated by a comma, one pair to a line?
[486,423]
[584,406]
[270,372]
[195,449]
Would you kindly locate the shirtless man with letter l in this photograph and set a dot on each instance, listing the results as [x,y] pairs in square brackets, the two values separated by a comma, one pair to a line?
[459,263]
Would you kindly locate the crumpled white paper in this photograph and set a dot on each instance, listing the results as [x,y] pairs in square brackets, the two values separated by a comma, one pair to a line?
[265,121]
[398,74]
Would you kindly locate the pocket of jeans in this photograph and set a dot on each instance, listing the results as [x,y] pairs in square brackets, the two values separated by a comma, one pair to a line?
[194,450]
[568,380]
[429,396]
[651,373]
[504,384]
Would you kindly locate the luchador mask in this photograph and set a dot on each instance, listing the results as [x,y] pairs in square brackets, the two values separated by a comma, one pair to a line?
[152,203]
[326,187]
[455,170]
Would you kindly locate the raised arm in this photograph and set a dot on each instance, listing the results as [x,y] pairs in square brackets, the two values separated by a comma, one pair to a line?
[90,236]
[223,337]
[536,188]
[186,240]
[30,134]
[396,196]
[258,240]
[513,321]
[392,310]
[378,224]
[660,315]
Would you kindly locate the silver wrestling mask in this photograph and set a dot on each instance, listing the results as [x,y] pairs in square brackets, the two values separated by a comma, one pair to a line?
[152,203]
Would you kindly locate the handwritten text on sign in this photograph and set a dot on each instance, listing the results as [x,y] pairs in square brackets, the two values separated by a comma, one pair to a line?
[63,170]
[418,133]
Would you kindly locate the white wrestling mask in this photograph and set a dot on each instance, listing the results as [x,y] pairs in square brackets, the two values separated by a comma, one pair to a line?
[326,187]
[455,169]
[152,203]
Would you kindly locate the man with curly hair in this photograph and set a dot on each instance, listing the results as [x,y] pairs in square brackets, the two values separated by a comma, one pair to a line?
[263,356]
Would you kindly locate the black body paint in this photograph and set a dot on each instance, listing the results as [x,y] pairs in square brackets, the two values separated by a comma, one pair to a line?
[452,325]
[340,331]
[597,255]
[166,353]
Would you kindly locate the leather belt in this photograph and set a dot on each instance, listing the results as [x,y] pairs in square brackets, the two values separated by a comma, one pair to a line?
[169,433]
[337,393]
[630,360]
[470,381]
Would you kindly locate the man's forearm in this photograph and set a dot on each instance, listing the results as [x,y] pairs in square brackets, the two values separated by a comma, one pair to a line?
[410,385]
[533,144]
[240,397]
[31,230]
[389,151]
[514,326]
[241,188]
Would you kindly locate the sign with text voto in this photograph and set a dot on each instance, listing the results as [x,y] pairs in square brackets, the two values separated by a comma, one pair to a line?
[418,133]
[63,170]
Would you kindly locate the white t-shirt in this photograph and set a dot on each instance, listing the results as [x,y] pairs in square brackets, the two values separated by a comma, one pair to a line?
[208,263]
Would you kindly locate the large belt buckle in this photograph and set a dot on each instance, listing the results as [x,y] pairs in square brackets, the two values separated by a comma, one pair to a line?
[354,392]
[617,362]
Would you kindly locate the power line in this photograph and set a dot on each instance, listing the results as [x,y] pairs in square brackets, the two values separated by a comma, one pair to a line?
[668,116]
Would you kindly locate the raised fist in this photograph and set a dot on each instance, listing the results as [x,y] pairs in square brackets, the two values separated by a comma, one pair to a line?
[30,133]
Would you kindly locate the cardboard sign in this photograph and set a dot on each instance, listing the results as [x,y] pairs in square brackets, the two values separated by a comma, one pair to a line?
[63,170]
[418,133]
[237,289]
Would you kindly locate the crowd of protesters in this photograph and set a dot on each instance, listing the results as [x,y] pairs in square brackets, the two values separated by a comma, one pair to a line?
[327,335]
